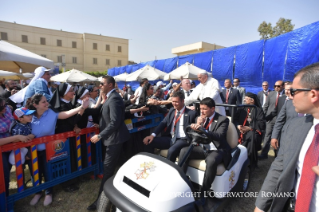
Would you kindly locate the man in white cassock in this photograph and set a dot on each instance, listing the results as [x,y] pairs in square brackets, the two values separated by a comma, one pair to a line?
[208,87]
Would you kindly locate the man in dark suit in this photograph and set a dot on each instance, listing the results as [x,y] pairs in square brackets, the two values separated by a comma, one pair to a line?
[230,95]
[271,109]
[217,151]
[242,90]
[113,130]
[296,169]
[262,95]
[176,121]
[128,93]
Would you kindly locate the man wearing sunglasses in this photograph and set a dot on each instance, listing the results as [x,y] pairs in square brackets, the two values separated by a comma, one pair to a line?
[271,109]
[296,169]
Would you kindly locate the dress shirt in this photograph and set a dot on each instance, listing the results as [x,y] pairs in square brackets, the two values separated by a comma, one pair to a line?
[138,92]
[264,96]
[109,93]
[211,145]
[181,133]
[314,204]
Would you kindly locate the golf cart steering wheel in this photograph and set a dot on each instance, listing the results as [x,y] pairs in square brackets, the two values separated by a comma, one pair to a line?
[196,136]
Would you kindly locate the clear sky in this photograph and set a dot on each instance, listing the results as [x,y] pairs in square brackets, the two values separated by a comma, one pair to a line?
[154,27]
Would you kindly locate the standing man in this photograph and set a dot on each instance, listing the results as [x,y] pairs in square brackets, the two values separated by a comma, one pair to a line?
[186,87]
[208,87]
[230,96]
[215,152]
[113,131]
[242,90]
[271,110]
[138,91]
[263,95]
[175,137]
[296,169]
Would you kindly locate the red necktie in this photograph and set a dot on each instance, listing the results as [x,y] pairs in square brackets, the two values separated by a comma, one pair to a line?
[227,94]
[308,177]
[277,99]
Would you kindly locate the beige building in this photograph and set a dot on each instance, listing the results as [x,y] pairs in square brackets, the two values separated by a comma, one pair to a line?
[195,48]
[85,52]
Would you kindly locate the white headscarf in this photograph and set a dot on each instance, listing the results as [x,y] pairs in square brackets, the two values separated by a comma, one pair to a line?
[19,97]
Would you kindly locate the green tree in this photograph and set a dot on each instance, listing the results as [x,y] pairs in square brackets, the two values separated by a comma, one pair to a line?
[282,26]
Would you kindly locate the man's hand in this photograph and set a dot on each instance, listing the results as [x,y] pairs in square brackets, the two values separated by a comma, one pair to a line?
[77,130]
[95,139]
[315,169]
[31,136]
[148,139]
[274,143]
[133,98]
[85,103]
[144,108]
[200,121]
[182,78]
[195,126]
[24,138]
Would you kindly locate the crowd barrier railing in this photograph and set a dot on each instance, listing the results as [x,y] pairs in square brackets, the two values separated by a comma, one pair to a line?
[58,159]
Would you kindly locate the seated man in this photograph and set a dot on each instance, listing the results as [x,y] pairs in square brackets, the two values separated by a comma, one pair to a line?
[217,151]
[176,121]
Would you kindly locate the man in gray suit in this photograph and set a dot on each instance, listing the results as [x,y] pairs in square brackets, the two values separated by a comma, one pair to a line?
[113,130]
[242,90]
[262,95]
[295,169]
[271,110]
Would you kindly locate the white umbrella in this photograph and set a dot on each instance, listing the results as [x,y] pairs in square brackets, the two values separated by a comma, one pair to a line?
[121,77]
[73,76]
[12,58]
[146,72]
[186,70]
[28,75]
[10,75]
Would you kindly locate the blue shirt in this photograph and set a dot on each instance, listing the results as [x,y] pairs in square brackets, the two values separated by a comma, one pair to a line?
[21,129]
[44,126]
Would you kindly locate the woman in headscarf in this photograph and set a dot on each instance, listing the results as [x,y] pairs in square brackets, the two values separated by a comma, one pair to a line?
[250,122]
[61,101]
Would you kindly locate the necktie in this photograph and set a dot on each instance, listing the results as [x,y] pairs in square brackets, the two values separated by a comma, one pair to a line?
[277,99]
[206,122]
[308,177]
[176,127]
[187,92]
[227,94]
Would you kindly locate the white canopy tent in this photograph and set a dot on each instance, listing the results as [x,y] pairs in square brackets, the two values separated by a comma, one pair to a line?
[12,58]
[73,76]
[121,77]
[10,75]
[146,72]
[186,70]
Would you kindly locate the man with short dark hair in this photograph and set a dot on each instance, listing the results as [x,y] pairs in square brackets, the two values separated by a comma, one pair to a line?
[113,130]
[230,96]
[263,95]
[242,90]
[215,152]
[176,121]
[295,171]
[138,91]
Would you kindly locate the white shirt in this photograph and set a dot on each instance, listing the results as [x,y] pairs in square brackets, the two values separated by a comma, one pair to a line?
[264,96]
[181,133]
[314,204]
[138,92]
[108,94]
[210,88]
[211,145]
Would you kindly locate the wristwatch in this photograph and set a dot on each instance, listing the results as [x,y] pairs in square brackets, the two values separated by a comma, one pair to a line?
[99,136]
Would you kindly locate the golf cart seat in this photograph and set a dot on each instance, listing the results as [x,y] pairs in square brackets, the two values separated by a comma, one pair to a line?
[232,139]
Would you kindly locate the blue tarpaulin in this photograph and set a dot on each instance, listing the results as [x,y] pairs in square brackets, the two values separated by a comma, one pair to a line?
[170,64]
[135,67]
[150,63]
[116,71]
[128,69]
[275,51]
[110,72]
[185,58]
[203,60]
[159,64]
[248,65]
[303,49]
[122,69]
[223,61]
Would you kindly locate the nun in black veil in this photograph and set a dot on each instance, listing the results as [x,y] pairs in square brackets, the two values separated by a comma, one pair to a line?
[251,124]
[61,101]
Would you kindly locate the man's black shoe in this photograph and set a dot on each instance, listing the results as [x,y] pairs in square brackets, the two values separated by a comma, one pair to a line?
[71,188]
[92,207]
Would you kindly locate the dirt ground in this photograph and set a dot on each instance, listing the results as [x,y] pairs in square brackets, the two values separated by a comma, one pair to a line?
[79,200]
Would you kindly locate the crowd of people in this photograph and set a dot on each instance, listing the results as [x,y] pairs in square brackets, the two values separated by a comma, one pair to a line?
[45,108]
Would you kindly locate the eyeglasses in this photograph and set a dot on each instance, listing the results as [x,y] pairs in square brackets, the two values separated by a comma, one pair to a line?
[101,83]
[265,85]
[95,90]
[293,91]
[277,86]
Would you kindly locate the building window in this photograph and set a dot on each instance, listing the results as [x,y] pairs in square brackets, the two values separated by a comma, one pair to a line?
[43,55]
[95,46]
[74,60]
[95,61]
[74,44]
[59,42]
[107,62]
[119,49]
[42,41]
[4,36]
[119,62]
[59,59]
[107,47]
[24,39]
